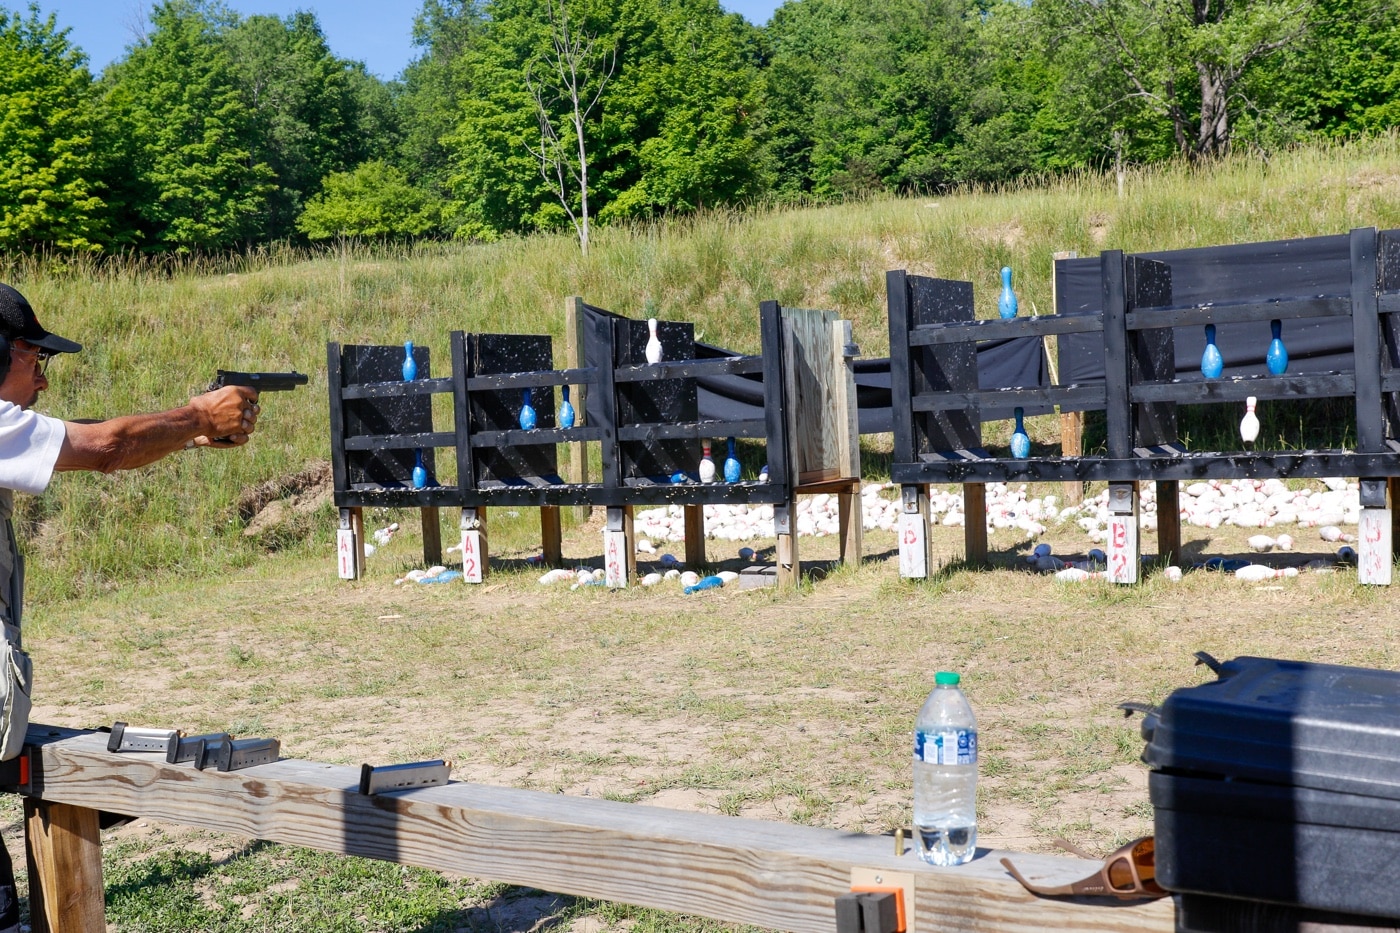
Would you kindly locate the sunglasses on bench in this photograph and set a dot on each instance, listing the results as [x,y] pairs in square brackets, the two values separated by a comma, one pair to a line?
[1128,873]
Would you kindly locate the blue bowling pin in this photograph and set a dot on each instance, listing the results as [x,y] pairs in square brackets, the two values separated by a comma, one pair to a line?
[566,410]
[410,368]
[527,414]
[420,472]
[1212,363]
[1006,304]
[732,469]
[1020,440]
[704,583]
[1277,357]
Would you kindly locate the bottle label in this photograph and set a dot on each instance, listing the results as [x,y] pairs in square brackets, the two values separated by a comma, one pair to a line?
[949,747]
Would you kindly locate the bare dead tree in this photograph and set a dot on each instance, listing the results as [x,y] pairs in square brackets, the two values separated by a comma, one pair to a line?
[575,73]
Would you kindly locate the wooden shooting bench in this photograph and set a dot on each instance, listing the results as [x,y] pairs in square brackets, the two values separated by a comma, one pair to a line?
[773,875]
[937,404]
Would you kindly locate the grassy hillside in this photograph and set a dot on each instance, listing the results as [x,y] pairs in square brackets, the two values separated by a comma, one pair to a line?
[154,336]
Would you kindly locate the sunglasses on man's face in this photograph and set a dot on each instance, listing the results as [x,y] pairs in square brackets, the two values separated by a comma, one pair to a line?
[1128,873]
[41,357]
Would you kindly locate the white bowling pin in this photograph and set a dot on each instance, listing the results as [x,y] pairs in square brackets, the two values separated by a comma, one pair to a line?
[1249,425]
[653,343]
[707,465]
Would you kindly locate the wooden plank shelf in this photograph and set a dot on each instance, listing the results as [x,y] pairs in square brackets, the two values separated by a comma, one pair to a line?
[1070,396]
[536,436]
[931,335]
[773,875]
[689,369]
[1196,389]
[400,441]
[1237,312]
[699,430]
[396,389]
[1301,464]
[531,380]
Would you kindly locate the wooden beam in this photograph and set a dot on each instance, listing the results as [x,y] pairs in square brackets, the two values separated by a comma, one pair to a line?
[432,536]
[694,536]
[577,472]
[551,536]
[975,523]
[774,875]
[64,850]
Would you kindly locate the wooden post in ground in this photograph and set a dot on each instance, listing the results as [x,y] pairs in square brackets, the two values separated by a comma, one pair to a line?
[694,536]
[852,525]
[1071,422]
[64,852]
[785,527]
[577,472]
[551,535]
[975,523]
[1169,522]
[432,536]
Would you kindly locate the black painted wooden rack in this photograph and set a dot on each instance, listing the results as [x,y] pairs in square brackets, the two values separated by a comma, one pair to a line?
[936,401]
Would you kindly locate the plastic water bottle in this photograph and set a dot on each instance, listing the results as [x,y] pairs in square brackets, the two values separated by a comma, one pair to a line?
[945,775]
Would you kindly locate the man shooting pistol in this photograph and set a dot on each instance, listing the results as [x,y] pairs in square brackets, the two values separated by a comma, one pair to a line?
[33,447]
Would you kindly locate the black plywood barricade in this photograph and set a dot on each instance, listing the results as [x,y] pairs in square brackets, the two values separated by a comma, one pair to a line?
[380,424]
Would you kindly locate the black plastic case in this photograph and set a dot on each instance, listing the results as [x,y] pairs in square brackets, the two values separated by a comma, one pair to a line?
[1280,782]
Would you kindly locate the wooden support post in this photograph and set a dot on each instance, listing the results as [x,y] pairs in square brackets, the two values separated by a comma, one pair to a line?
[350,544]
[1392,497]
[1169,522]
[432,536]
[852,525]
[1071,422]
[1072,445]
[785,527]
[476,558]
[629,531]
[914,555]
[975,523]
[551,535]
[1124,558]
[577,472]
[64,852]
[694,536]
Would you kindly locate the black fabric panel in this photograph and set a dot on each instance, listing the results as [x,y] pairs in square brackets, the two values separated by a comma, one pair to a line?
[1017,362]
[1303,268]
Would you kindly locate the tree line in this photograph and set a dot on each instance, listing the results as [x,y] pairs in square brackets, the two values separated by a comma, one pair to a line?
[221,132]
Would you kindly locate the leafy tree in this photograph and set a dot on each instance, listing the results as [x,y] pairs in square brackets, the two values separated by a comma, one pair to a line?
[305,110]
[673,131]
[49,172]
[375,200]
[1185,62]
[1345,79]
[429,97]
[868,94]
[189,180]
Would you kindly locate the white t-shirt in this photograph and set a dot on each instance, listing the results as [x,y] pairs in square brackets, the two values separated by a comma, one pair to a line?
[29,448]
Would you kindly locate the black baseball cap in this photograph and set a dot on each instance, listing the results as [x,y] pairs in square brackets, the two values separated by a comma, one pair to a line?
[17,322]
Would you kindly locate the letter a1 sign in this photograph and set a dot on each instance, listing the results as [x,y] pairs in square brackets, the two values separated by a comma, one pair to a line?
[614,561]
[345,552]
[913,550]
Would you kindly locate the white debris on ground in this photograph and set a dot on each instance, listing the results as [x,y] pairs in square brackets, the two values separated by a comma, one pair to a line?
[1244,503]
[1327,505]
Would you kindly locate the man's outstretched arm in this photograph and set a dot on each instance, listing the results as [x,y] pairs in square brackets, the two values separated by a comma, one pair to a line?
[223,418]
